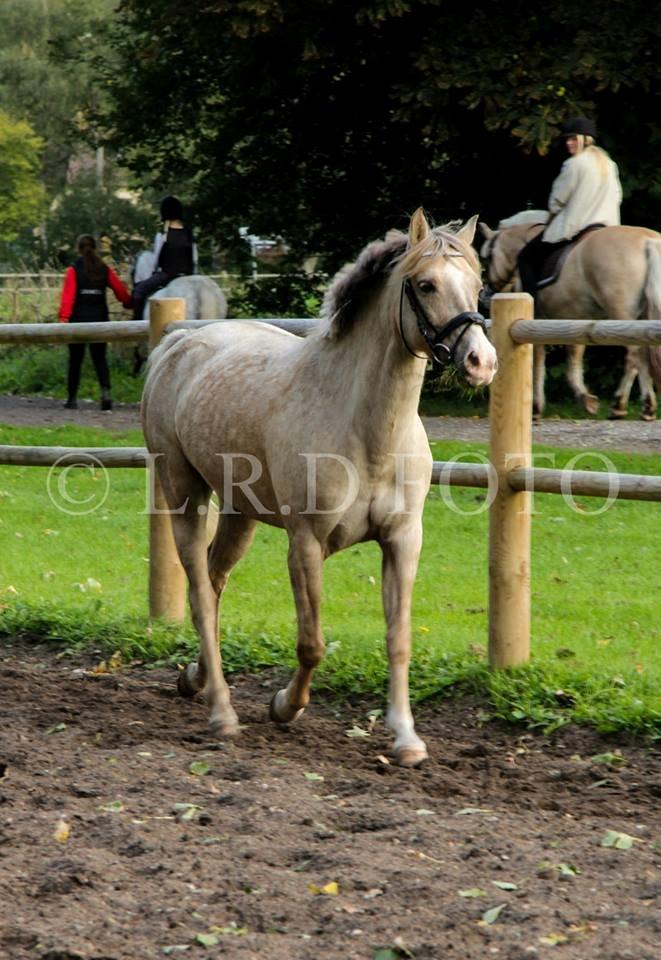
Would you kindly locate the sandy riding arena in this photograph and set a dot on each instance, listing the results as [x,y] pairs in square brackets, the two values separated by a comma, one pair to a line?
[125,834]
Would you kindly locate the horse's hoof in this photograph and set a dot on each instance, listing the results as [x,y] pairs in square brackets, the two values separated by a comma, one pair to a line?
[647,415]
[590,404]
[220,730]
[616,413]
[186,685]
[280,711]
[411,756]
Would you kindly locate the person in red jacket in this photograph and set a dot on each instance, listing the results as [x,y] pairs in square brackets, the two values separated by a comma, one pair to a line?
[83,300]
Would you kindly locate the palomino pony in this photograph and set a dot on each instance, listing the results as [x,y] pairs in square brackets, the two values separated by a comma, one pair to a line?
[319,436]
[613,273]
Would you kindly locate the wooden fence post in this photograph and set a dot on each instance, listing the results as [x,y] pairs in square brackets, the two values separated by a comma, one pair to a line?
[510,415]
[167,580]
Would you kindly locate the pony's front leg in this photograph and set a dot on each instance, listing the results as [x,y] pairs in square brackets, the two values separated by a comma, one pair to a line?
[400,564]
[305,563]
[576,381]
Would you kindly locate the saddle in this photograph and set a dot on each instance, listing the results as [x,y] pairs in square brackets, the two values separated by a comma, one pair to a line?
[551,266]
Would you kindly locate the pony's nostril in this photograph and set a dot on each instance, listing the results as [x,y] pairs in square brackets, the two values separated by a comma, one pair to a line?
[473,359]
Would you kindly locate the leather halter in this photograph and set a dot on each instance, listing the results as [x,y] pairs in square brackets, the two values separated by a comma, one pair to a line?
[433,336]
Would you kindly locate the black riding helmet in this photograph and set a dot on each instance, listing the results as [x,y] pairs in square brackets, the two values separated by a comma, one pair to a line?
[171,209]
[579,125]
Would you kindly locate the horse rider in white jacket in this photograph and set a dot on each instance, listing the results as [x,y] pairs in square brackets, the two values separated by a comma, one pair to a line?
[587,191]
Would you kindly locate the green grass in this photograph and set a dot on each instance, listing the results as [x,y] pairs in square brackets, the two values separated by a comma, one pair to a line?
[596,586]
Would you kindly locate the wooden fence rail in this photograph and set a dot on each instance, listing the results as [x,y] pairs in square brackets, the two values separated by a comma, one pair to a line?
[509,475]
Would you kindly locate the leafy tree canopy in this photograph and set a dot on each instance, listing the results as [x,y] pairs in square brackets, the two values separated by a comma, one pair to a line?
[20,186]
[327,123]
[46,75]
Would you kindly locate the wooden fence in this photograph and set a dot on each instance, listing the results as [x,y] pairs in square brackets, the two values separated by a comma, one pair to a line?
[509,476]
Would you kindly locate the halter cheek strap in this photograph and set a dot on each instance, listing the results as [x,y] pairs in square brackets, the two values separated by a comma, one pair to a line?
[433,336]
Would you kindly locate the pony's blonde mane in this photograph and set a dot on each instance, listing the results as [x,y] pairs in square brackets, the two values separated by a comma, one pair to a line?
[356,282]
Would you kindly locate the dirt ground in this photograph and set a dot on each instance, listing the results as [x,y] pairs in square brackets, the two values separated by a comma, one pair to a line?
[125,834]
[633,436]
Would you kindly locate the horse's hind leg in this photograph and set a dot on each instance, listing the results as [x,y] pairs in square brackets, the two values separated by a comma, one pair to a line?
[305,564]
[233,538]
[620,403]
[647,389]
[576,381]
[188,496]
[539,373]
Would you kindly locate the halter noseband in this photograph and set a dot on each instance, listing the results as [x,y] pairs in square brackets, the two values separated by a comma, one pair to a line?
[432,336]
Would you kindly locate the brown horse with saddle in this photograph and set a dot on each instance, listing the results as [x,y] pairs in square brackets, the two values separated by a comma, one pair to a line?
[607,273]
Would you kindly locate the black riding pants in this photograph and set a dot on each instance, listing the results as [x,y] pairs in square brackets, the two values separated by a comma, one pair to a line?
[144,289]
[530,262]
[76,357]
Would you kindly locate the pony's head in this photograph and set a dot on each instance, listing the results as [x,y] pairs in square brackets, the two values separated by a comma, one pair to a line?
[439,274]
[432,278]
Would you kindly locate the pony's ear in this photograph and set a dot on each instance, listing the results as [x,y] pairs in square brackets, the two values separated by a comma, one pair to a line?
[419,229]
[486,230]
[467,232]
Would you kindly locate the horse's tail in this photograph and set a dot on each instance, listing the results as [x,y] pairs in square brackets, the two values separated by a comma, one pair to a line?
[653,303]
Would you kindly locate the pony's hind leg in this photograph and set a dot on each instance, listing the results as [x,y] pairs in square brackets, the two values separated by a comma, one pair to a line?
[620,403]
[305,565]
[183,486]
[233,537]
[539,373]
[576,380]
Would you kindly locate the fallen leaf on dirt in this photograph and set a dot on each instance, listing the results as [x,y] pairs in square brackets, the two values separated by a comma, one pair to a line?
[232,929]
[186,811]
[62,831]
[554,939]
[357,731]
[373,892]
[56,728]
[313,776]
[611,759]
[473,892]
[175,948]
[111,664]
[504,885]
[207,939]
[425,812]
[199,768]
[115,806]
[620,841]
[329,890]
[468,811]
[490,916]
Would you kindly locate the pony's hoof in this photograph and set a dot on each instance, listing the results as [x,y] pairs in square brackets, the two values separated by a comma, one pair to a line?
[411,756]
[648,415]
[590,404]
[616,413]
[280,711]
[221,730]
[186,682]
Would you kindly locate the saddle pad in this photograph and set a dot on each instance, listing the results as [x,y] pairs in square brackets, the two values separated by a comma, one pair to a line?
[552,265]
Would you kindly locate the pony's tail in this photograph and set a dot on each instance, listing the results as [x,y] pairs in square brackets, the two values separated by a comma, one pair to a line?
[653,303]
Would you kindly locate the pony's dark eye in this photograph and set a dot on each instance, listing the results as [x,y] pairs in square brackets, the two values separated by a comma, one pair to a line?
[426,286]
